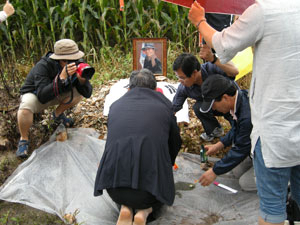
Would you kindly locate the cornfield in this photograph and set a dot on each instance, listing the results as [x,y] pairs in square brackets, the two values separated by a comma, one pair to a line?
[93,24]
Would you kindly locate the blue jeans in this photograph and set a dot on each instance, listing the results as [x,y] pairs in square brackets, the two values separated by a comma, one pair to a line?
[272,185]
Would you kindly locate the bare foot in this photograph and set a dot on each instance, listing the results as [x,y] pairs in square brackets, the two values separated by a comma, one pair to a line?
[140,217]
[125,216]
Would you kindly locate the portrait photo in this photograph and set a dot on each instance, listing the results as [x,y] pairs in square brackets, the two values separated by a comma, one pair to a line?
[150,53]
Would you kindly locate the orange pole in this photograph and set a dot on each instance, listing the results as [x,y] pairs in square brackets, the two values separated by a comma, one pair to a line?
[121,5]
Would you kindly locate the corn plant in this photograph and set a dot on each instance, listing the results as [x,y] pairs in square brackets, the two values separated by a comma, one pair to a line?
[93,24]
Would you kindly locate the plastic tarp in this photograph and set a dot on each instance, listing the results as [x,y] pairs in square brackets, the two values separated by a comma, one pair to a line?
[169,90]
[59,178]
[244,62]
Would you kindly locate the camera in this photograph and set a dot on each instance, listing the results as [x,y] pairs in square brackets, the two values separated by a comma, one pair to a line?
[83,69]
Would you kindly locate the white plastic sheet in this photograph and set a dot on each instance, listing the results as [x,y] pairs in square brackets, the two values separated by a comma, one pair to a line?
[121,87]
[59,178]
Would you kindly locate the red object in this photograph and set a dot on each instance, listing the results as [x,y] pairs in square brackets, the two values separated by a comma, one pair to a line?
[85,70]
[159,90]
[121,5]
[175,167]
[236,7]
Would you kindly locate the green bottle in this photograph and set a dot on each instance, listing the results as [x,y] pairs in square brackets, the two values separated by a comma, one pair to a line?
[203,156]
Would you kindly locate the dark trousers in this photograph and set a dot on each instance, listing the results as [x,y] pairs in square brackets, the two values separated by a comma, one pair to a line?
[133,198]
[208,120]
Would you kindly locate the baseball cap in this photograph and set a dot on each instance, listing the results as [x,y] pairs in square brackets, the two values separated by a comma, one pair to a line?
[66,49]
[213,87]
[148,45]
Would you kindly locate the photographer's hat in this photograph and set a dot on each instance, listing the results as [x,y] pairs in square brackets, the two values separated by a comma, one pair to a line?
[148,45]
[66,49]
[213,87]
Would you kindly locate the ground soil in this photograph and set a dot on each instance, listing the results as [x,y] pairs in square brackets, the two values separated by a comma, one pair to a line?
[86,114]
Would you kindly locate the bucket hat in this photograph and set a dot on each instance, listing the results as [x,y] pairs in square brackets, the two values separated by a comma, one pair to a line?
[66,49]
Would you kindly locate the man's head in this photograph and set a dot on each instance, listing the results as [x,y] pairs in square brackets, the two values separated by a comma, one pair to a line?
[142,78]
[67,50]
[149,49]
[218,93]
[185,67]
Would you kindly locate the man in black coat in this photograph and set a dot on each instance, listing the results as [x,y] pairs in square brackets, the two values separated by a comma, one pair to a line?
[143,140]
[52,81]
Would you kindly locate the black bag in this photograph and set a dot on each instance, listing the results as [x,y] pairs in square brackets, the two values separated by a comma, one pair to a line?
[292,209]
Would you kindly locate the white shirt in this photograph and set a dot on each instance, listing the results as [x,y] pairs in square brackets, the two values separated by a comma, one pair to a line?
[3,16]
[273,28]
[232,112]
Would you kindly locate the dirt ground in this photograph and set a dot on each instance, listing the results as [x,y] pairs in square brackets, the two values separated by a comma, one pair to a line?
[86,114]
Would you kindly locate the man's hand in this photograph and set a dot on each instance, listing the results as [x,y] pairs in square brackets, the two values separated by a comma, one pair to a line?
[81,79]
[71,68]
[207,178]
[8,9]
[196,13]
[206,53]
[212,149]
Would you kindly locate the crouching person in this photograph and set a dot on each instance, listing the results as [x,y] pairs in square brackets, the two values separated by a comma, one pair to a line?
[52,81]
[221,94]
[142,143]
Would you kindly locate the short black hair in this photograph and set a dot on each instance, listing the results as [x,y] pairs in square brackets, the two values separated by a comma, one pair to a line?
[188,63]
[142,78]
[231,91]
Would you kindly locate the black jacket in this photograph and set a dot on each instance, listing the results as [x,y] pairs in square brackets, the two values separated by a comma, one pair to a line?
[157,68]
[40,81]
[195,91]
[143,140]
[238,136]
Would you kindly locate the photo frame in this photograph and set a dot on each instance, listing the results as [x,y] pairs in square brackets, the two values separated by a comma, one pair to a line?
[150,53]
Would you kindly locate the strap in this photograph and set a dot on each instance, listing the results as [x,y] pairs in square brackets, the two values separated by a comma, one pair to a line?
[215,59]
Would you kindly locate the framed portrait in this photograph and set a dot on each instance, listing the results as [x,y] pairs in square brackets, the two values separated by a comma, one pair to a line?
[150,53]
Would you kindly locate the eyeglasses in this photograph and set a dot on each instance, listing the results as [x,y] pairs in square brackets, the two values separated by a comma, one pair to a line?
[180,78]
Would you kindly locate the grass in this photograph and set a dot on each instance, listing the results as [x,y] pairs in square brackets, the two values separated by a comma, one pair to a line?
[17,214]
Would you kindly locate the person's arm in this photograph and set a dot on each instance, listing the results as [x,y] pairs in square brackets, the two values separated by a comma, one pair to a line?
[158,67]
[244,32]
[229,68]
[197,17]
[47,87]
[179,98]
[234,157]
[174,141]
[239,151]
[85,89]
[83,86]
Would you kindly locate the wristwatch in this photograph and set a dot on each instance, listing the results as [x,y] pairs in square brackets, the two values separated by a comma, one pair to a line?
[215,59]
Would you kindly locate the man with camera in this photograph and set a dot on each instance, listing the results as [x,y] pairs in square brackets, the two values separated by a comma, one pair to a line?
[59,78]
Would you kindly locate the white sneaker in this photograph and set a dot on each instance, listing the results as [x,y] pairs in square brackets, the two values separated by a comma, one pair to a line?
[217,132]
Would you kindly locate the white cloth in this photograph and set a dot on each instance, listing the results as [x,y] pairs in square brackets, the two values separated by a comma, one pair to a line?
[169,90]
[272,27]
[3,16]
